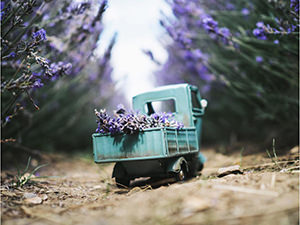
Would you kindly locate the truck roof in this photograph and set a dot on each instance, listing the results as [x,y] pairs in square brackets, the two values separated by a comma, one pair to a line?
[164,88]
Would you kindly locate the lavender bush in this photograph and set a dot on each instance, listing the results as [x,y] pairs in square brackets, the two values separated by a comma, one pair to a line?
[131,122]
[48,61]
[244,57]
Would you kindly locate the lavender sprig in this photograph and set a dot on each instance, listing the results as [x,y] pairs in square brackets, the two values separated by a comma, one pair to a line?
[131,123]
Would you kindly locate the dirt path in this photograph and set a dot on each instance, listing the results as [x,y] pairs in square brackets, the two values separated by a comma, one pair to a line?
[84,193]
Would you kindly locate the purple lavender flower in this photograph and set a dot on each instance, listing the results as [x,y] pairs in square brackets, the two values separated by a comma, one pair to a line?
[130,123]
[169,29]
[260,24]
[178,10]
[209,23]
[12,55]
[211,26]
[88,28]
[225,32]
[78,8]
[276,31]
[36,74]
[38,83]
[2,13]
[60,68]
[256,32]
[206,76]
[198,54]
[193,55]
[294,27]
[2,5]
[188,55]
[183,39]
[245,11]
[229,6]
[276,42]
[40,35]
[7,119]
[259,33]
[46,17]
[259,59]
[295,5]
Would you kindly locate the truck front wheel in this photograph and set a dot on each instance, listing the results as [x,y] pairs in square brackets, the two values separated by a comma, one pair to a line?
[182,174]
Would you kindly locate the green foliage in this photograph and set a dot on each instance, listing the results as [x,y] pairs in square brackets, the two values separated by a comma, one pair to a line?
[275,161]
[24,177]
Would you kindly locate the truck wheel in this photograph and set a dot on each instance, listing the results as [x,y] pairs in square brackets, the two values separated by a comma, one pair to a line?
[182,174]
[194,167]
[122,182]
[200,168]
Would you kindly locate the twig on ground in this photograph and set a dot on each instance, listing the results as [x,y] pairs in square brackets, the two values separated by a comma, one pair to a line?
[268,164]
[273,180]
[244,216]
[288,169]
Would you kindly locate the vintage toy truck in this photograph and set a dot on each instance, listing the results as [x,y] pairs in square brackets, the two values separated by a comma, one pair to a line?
[157,152]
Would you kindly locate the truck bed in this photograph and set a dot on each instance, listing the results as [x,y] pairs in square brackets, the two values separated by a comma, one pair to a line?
[152,143]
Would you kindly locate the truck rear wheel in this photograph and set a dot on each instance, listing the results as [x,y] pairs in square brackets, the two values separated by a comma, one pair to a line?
[194,167]
[122,182]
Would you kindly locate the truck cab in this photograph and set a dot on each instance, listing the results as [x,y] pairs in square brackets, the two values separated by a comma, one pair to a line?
[182,100]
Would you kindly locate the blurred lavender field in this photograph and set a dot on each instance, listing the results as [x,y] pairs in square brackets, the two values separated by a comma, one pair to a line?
[243,55]
[51,78]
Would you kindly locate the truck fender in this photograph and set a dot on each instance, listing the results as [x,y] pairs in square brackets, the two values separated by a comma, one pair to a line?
[201,158]
[119,170]
[175,164]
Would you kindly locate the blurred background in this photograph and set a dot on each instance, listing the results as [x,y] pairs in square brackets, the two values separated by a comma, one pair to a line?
[60,61]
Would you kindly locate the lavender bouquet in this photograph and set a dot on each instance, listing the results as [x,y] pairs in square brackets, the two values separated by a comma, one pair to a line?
[132,122]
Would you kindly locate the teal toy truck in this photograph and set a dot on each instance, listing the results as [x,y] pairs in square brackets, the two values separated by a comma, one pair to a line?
[157,152]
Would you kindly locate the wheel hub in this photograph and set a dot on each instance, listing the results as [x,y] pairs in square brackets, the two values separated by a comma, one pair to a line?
[181,175]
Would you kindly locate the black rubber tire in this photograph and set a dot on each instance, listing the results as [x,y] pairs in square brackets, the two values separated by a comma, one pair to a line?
[122,182]
[200,168]
[194,167]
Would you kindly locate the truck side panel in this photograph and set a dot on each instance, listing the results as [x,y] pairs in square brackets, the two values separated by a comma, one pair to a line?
[121,147]
[152,143]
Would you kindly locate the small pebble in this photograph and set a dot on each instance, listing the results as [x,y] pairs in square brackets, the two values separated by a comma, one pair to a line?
[29,195]
[224,171]
[35,201]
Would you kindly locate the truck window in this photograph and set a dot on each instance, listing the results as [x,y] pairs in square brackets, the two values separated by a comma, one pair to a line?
[167,106]
[195,100]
